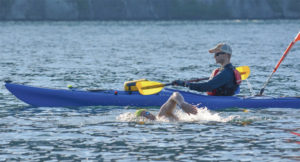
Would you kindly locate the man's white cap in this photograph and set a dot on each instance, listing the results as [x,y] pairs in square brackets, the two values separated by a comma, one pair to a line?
[221,47]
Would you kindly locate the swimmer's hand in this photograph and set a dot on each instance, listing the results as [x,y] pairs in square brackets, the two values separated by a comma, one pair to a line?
[188,108]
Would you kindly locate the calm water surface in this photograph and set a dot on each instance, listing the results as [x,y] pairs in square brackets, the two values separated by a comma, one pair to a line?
[106,54]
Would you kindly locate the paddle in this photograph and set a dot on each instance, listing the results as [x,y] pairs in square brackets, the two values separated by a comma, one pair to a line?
[298,134]
[152,87]
[297,38]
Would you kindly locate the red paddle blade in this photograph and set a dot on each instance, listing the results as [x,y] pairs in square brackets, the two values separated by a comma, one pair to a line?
[297,134]
[297,37]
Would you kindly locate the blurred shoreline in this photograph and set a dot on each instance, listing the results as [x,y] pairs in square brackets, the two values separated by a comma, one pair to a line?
[73,10]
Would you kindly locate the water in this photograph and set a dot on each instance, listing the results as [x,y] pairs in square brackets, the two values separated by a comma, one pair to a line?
[106,54]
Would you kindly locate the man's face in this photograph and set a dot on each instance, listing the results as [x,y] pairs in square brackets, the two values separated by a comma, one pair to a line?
[220,57]
[148,115]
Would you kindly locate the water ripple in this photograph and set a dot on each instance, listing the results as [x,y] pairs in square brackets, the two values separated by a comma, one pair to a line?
[90,55]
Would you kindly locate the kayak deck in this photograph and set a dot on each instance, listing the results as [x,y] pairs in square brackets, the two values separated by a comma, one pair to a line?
[45,97]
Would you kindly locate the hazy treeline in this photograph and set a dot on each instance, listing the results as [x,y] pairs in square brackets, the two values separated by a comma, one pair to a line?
[148,9]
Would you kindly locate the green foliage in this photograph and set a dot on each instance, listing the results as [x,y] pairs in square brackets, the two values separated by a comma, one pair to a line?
[6,4]
[276,5]
[83,4]
[294,6]
[195,9]
[84,9]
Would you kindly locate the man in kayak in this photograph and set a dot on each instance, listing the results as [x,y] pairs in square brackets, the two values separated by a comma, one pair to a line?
[224,81]
[167,109]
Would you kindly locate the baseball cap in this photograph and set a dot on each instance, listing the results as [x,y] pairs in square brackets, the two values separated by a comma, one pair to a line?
[221,47]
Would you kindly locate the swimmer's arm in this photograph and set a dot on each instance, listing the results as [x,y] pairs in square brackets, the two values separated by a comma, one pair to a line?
[167,110]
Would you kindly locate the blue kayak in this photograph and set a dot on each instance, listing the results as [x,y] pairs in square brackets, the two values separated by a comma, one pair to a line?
[45,97]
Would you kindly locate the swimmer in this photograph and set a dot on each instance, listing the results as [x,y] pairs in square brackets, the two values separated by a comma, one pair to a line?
[167,109]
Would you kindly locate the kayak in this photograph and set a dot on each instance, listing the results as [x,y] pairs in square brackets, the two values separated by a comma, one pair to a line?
[46,97]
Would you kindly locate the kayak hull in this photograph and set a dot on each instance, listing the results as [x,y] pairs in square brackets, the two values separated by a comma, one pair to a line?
[45,97]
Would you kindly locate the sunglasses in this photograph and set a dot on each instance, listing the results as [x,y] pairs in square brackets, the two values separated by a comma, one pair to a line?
[147,113]
[219,53]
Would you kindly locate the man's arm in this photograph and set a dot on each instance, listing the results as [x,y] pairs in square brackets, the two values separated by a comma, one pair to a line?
[167,109]
[218,81]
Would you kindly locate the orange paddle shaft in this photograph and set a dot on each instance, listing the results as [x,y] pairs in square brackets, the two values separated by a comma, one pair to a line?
[297,38]
[284,55]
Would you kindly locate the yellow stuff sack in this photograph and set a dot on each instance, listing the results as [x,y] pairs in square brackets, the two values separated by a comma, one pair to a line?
[131,85]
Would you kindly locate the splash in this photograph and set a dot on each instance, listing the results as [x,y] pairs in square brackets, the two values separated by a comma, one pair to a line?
[203,116]
[127,117]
